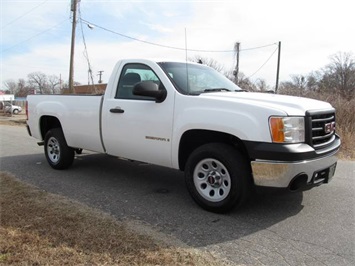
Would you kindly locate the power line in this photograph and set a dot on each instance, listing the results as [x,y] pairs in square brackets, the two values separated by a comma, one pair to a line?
[86,54]
[267,60]
[168,46]
[34,36]
[21,16]
[258,47]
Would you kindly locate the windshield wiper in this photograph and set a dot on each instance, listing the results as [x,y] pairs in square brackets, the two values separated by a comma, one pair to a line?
[216,89]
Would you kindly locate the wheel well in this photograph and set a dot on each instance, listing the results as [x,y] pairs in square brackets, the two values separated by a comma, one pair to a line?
[193,139]
[47,123]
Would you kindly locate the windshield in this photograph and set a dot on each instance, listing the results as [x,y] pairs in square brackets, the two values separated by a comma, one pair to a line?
[201,79]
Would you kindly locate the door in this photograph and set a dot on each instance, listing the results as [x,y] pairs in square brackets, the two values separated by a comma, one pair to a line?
[136,127]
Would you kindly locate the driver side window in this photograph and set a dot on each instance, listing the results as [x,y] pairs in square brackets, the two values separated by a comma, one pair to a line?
[132,74]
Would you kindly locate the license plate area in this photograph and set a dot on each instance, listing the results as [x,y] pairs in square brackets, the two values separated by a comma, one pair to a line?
[324,176]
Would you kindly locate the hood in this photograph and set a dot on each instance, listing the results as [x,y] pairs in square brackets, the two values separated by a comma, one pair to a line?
[291,105]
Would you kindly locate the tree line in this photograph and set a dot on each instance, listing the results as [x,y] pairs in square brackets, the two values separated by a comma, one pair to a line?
[338,76]
[36,83]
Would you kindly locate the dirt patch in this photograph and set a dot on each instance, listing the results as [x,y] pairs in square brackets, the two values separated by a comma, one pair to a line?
[38,228]
[13,120]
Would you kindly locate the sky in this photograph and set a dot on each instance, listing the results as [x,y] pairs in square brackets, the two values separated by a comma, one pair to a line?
[36,35]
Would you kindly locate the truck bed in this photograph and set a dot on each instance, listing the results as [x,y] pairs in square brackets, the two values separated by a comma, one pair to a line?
[78,114]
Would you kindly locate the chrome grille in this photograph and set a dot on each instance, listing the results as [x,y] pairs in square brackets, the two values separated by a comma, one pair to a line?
[323,129]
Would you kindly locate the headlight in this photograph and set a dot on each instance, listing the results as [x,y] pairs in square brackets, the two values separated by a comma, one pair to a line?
[287,129]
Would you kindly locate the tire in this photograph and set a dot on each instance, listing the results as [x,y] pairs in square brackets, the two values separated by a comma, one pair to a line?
[218,177]
[15,111]
[58,154]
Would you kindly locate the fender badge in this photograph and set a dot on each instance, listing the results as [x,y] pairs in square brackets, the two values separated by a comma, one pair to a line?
[157,138]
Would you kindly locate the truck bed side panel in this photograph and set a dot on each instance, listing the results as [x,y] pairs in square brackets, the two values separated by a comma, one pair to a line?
[78,115]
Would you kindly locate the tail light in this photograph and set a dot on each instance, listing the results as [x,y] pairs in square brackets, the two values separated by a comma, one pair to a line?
[26,110]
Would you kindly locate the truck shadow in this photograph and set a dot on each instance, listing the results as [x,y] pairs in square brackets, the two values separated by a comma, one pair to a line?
[152,195]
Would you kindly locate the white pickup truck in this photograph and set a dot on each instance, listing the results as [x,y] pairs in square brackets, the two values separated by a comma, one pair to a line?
[189,117]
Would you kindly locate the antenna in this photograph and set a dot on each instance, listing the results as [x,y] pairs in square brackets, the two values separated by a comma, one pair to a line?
[278,68]
[185,45]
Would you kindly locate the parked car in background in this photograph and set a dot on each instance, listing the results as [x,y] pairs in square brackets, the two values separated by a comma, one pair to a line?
[13,109]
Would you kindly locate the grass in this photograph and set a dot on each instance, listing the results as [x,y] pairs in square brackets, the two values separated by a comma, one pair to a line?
[345,119]
[38,228]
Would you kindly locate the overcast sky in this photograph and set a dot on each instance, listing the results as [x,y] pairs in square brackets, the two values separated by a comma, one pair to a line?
[36,35]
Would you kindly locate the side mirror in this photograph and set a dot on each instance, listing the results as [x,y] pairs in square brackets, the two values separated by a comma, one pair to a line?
[150,89]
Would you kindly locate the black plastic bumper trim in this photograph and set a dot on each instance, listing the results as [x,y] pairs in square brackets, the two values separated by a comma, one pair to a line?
[287,152]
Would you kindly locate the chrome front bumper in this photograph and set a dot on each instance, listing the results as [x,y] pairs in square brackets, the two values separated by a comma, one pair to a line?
[280,174]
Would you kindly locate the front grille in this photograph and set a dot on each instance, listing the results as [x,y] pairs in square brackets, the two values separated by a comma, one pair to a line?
[322,128]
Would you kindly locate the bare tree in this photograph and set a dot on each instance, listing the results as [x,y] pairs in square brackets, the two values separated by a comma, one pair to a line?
[261,85]
[54,84]
[339,75]
[299,81]
[313,81]
[245,83]
[11,86]
[19,88]
[39,81]
[22,89]
[297,86]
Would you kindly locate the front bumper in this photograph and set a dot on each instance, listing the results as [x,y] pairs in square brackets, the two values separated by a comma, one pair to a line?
[294,175]
[292,166]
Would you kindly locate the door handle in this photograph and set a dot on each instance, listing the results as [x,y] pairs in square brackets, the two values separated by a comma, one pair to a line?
[117,110]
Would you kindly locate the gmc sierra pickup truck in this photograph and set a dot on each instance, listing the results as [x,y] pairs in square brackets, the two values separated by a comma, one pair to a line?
[189,117]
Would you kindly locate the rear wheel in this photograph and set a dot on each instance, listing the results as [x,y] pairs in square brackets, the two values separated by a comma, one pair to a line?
[218,177]
[58,154]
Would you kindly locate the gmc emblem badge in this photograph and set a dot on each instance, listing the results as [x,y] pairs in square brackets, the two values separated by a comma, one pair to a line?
[329,127]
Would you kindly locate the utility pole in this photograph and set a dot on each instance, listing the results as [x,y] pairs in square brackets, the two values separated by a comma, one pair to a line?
[278,68]
[71,67]
[100,75]
[236,70]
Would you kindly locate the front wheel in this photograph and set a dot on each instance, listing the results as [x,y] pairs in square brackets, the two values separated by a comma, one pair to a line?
[58,154]
[218,177]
